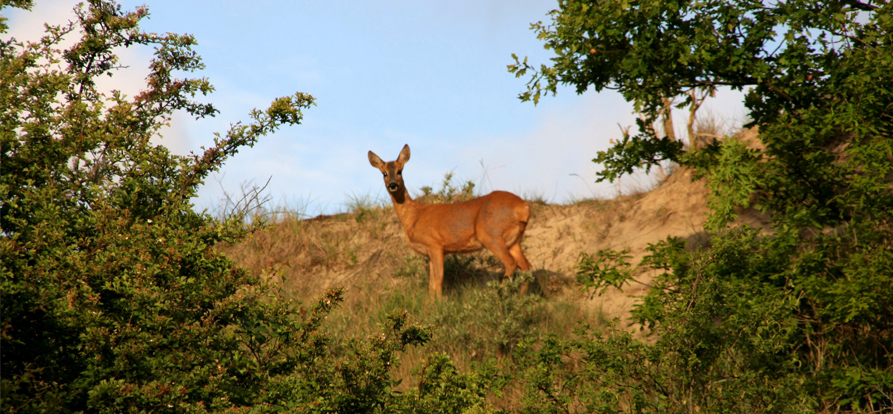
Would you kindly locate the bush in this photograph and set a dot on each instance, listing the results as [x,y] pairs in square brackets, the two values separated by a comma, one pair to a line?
[792,318]
[113,298]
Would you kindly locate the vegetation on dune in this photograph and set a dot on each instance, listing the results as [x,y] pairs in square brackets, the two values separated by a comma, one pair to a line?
[797,319]
[117,296]
[478,327]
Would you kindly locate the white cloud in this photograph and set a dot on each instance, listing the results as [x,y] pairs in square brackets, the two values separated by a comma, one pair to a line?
[554,158]
[131,80]
[29,25]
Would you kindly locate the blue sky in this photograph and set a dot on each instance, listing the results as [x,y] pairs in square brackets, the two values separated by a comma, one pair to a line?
[428,74]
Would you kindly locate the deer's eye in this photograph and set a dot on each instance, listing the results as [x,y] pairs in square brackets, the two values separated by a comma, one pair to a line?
[384,174]
[399,172]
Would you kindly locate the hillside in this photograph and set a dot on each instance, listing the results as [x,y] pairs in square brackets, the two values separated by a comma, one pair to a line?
[365,250]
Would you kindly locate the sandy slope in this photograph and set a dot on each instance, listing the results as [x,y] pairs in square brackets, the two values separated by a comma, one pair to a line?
[356,250]
[559,234]
[678,208]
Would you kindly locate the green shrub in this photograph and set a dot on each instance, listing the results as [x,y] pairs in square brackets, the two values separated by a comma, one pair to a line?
[796,317]
[489,320]
[113,298]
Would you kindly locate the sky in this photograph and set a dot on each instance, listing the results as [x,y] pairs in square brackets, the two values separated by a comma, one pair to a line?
[431,74]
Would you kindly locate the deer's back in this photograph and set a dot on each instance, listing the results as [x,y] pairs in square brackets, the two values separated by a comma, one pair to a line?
[459,226]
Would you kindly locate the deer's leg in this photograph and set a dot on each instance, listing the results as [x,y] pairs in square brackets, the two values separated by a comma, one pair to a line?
[516,252]
[435,272]
[502,253]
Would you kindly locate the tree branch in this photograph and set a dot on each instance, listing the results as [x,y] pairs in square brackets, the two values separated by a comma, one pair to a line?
[861,6]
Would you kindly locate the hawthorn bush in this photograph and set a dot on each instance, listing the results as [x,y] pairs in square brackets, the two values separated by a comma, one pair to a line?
[113,298]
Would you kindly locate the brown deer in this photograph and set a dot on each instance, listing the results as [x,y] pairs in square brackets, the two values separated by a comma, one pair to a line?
[496,221]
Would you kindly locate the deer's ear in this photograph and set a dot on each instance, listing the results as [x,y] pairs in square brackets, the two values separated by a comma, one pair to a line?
[375,160]
[404,155]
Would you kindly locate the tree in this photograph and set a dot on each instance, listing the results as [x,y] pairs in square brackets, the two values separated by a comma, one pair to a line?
[796,318]
[786,54]
[113,298]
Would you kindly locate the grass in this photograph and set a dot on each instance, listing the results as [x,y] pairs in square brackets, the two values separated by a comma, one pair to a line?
[709,127]
[480,319]
[364,250]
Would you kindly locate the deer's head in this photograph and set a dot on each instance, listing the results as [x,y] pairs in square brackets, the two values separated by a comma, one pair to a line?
[392,170]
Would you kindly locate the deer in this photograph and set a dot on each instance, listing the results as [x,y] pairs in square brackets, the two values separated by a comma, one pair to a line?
[495,221]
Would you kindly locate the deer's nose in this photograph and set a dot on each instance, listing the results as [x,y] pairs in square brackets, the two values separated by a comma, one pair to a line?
[392,186]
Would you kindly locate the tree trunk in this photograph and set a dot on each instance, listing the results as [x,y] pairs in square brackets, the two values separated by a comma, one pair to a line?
[669,131]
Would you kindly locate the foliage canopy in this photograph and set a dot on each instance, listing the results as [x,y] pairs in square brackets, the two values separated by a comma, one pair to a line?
[796,318]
